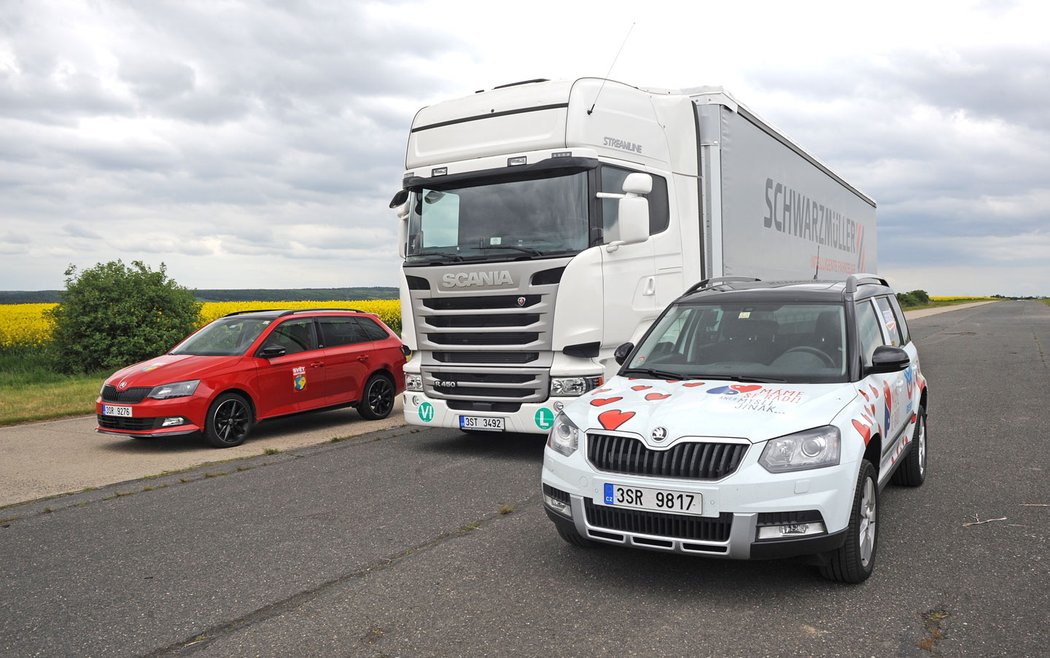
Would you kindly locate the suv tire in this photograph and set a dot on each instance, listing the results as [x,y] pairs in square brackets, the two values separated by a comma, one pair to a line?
[854,561]
[912,471]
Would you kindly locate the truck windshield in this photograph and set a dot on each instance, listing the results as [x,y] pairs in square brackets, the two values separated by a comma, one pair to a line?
[753,341]
[499,221]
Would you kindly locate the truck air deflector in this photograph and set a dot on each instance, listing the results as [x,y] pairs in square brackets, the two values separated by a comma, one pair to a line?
[552,166]
[490,115]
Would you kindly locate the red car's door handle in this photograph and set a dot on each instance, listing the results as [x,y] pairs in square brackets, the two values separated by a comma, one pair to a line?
[317,364]
[362,358]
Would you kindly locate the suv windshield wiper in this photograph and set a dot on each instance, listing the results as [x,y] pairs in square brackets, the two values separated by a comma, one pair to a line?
[738,378]
[658,374]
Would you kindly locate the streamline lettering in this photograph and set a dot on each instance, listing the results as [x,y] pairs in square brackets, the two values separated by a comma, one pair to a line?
[790,211]
[623,145]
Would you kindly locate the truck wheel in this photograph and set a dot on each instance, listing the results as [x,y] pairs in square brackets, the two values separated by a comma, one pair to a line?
[228,421]
[854,561]
[377,400]
[912,472]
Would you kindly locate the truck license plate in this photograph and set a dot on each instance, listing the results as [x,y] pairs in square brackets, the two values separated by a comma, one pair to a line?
[113,410]
[482,423]
[652,500]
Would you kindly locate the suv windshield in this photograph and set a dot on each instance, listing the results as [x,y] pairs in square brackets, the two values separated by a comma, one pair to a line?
[224,337]
[500,220]
[754,341]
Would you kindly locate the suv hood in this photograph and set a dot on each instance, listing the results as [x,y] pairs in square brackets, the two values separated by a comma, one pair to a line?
[756,412]
[170,368]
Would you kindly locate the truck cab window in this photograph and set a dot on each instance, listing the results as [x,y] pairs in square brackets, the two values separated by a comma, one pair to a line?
[612,181]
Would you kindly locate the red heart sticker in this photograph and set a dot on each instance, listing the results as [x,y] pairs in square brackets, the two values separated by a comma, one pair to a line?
[657,396]
[640,387]
[863,430]
[613,418]
[601,402]
[692,384]
[745,388]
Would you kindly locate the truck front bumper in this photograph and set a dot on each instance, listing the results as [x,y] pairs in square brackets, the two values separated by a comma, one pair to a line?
[530,418]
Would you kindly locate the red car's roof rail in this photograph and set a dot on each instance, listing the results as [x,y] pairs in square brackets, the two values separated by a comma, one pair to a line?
[281,312]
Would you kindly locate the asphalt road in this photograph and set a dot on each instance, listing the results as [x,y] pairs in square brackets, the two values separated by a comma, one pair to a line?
[408,542]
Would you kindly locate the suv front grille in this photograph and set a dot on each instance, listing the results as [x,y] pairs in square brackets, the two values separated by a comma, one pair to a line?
[692,459]
[676,526]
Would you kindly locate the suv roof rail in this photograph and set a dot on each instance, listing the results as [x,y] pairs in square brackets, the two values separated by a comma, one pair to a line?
[863,278]
[719,280]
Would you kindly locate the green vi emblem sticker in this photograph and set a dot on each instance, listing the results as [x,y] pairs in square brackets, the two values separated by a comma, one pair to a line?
[544,418]
[426,412]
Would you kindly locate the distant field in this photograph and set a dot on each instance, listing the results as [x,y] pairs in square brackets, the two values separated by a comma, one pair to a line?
[25,325]
[940,300]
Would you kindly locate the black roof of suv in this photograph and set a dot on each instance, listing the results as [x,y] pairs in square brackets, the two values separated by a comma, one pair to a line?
[857,286]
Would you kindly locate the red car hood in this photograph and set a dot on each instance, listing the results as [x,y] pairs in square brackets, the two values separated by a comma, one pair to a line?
[170,368]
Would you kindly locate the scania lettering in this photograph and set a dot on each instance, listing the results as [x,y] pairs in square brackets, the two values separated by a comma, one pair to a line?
[544,223]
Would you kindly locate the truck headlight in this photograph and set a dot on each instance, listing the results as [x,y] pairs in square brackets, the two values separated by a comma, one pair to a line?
[176,390]
[815,448]
[573,386]
[413,382]
[564,436]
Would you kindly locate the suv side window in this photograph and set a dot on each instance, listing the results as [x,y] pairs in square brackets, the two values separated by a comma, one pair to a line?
[902,322]
[868,330]
[340,331]
[889,320]
[612,181]
[294,336]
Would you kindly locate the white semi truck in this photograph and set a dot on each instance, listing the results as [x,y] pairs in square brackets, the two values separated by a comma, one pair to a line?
[545,223]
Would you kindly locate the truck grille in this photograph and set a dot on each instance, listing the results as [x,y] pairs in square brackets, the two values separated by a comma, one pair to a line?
[676,526]
[693,459]
[520,385]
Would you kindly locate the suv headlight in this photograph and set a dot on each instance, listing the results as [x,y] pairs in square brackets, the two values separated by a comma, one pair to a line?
[176,390]
[413,382]
[815,448]
[574,386]
[564,436]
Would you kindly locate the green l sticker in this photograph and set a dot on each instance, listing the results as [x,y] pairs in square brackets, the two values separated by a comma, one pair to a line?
[544,418]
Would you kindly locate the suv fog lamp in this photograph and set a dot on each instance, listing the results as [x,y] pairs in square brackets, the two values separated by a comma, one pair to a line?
[790,530]
[558,506]
[573,386]
[413,382]
[815,448]
[173,421]
[564,436]
[176,390]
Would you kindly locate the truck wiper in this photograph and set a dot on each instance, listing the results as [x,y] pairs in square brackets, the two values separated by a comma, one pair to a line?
[525,250]
[657,374]
[441,255]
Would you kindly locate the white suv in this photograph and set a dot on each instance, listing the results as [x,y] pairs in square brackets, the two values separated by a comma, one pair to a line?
[753,420]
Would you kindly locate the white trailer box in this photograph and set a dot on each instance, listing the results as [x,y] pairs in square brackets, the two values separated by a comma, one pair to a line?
[529,255]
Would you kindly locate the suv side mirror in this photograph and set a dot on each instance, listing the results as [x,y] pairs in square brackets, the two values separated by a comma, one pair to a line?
[622,352]
[886,359]
[270,351]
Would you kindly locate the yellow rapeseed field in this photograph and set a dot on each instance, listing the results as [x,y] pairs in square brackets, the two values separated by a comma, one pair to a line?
[26,324]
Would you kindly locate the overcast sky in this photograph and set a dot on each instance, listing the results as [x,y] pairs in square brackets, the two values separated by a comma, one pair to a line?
[257,144]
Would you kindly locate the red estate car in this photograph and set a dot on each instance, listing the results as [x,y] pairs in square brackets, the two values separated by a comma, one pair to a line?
[250,366]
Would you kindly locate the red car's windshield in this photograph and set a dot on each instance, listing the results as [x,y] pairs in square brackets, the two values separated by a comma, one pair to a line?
[224,337]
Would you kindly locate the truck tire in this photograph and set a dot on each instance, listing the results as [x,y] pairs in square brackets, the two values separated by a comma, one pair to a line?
[377,398]
[912,471]
[854,561]
[228,421]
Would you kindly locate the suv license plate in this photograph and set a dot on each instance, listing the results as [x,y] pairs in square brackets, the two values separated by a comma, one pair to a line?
[112,410]
[652,500]
[483,423]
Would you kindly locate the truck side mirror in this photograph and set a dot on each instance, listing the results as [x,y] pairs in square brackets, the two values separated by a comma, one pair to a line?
[634,209]
[400,203]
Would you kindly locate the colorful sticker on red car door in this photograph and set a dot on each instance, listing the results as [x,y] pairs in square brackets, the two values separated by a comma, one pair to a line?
[299,378]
